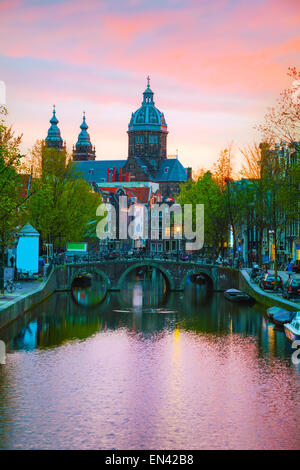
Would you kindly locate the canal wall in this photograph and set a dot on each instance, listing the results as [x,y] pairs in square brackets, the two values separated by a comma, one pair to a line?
[22,303]
[265,298]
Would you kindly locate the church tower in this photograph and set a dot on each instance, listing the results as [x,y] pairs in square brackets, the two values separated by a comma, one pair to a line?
[53,138]
[147,136]
[83,149]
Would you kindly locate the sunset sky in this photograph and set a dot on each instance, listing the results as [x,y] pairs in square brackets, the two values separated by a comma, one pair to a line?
[215,67]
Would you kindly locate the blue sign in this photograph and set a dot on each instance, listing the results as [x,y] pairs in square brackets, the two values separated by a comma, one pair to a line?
[266,258]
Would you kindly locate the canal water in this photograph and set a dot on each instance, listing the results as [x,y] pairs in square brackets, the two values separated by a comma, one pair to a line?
[144,369]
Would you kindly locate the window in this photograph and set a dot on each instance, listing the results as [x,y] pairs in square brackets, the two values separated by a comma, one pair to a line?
[153,139]
[139,139]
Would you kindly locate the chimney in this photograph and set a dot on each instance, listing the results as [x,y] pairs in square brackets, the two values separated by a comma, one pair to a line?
[189,173]
[114,174]
[120,174]
[108,175]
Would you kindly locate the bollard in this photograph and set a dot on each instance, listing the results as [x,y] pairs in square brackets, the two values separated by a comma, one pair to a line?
[2,353]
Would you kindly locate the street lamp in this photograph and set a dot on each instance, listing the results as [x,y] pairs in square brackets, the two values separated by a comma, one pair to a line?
[177,233]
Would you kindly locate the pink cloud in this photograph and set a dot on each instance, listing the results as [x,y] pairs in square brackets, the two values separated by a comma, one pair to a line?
[214,57]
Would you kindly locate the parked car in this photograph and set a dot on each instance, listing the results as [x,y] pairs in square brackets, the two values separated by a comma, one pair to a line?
[268,282]
[112,255]
[291,288]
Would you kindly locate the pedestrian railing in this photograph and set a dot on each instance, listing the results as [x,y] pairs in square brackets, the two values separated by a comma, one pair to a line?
[103,258]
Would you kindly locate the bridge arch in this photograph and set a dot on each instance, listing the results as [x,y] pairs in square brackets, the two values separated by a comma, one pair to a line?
[90,270]
[194,272]
[165,272]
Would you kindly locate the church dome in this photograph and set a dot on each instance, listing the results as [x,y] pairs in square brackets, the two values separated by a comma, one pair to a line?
[53,138]
[84,137]
[147,117]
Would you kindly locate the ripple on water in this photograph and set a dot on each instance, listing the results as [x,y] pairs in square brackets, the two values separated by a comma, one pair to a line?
[181,377]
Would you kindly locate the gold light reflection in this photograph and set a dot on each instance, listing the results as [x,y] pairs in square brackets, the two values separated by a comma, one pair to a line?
[176,343]
[271,338]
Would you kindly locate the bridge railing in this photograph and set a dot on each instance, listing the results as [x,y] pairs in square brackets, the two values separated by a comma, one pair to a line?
[64,259]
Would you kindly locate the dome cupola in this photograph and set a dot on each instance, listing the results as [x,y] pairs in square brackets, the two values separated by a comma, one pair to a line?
[148,117]
[84,149]
[147,132]
[53,138]
[84,137]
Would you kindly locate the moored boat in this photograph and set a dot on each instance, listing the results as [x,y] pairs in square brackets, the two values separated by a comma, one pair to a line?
[272,311]
[283,317]
[236,295]
[292,330]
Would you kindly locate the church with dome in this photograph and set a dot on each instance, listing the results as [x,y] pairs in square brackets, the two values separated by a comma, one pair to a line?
[147,159]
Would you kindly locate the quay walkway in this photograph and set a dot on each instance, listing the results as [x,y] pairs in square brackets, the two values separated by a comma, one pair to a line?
[26,287]
[267,297]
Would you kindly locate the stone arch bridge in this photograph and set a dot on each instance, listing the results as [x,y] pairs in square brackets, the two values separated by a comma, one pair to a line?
[176,273]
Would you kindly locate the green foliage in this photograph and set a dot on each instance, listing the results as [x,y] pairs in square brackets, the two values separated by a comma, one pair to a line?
[10,183]
[207,191]
[62,203]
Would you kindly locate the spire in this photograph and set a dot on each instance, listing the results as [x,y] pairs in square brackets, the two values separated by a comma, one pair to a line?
[83,148]
[84,137]
[148,94]
[53,138]
[54,119]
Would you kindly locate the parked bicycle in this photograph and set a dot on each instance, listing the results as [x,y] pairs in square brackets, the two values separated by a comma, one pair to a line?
[11,286]
[256,274]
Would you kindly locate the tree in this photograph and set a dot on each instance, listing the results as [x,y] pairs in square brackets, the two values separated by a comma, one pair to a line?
[206,190]
[31,164]
[234,196]
[63,203]
[222,169]
[10,185]
[255,190]
[282,122]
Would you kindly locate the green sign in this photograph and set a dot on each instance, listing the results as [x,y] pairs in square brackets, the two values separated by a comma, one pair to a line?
[77,246]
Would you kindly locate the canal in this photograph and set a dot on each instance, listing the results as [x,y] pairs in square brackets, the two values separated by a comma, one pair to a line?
[144,369]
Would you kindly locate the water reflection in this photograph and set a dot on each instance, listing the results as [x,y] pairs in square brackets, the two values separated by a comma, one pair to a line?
[144,287]
[89,289]
[150,370]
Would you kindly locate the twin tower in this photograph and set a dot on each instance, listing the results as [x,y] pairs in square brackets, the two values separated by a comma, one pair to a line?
[83,150]
[147,135]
